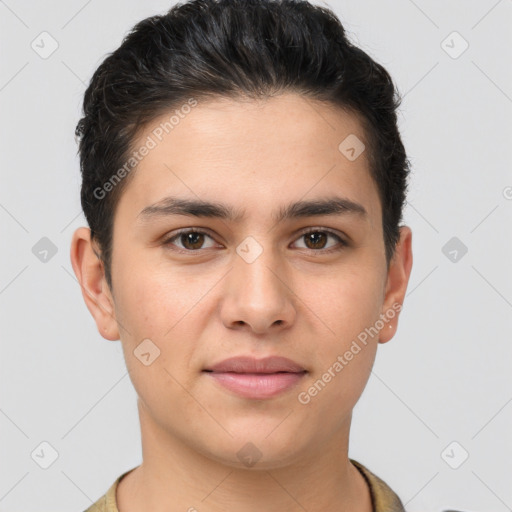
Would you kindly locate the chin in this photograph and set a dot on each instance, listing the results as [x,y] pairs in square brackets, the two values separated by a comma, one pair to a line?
[254,450]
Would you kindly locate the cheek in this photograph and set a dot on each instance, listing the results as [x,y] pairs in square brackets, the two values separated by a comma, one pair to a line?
[336,387]
[350,303]
[155,345]
[349,308]
[153,300]
[155,304]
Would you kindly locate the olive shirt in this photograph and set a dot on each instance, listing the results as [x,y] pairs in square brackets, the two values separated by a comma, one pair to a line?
[383,498]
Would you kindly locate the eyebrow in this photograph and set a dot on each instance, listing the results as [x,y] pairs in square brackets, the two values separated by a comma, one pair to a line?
[198,208]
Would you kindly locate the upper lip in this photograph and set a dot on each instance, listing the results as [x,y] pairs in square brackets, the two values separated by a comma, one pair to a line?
[248,364]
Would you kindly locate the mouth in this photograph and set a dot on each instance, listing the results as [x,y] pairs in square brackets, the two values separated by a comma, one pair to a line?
[257,379]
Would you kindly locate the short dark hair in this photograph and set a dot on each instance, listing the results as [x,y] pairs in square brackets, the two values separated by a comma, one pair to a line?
[234,49]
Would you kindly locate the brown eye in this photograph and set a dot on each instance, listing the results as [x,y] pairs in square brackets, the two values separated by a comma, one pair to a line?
[195,240]
[317,239]
[190,240]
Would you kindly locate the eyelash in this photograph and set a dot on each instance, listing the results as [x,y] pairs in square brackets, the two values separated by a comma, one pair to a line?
[341,245]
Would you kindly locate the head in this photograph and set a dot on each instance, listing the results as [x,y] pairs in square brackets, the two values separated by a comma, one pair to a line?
[249,106]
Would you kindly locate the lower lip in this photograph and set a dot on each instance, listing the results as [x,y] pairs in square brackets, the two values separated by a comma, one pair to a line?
[257,385]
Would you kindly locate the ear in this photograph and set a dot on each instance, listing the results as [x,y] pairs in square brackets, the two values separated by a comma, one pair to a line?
[97,295]
[397,279]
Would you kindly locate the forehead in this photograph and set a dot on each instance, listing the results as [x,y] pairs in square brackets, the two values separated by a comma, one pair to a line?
[282,146]
[287,121]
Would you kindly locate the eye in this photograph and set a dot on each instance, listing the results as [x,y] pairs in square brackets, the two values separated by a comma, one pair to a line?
[192,239]
[316,240]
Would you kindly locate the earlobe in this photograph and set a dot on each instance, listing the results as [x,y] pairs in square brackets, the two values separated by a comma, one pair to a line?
[90,274]
[397,280]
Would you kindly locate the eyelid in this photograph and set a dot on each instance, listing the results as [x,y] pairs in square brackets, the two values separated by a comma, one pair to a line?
[314,229]
[342,242]
[175,234]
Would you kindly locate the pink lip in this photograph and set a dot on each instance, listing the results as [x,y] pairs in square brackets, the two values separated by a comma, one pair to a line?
[257,378]
[247,364]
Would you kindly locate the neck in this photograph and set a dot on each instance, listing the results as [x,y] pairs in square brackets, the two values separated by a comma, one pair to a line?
[175,476]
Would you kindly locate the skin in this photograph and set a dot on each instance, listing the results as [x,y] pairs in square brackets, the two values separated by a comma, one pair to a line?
[293,300]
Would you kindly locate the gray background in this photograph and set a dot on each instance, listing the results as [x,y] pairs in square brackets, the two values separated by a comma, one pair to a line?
[444,377]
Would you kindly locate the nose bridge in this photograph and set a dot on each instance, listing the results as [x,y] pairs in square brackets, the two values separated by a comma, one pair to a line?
[256,290]
[256,266]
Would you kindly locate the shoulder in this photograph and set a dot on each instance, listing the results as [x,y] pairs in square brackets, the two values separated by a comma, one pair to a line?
[108,502]
[384,499]
[100,505]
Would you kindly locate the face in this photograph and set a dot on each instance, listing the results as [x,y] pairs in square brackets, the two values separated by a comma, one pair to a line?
[258,278]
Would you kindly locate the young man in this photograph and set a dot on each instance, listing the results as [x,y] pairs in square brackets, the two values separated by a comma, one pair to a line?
[243,180]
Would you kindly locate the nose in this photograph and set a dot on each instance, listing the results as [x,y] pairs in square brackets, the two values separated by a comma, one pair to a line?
[258,295]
